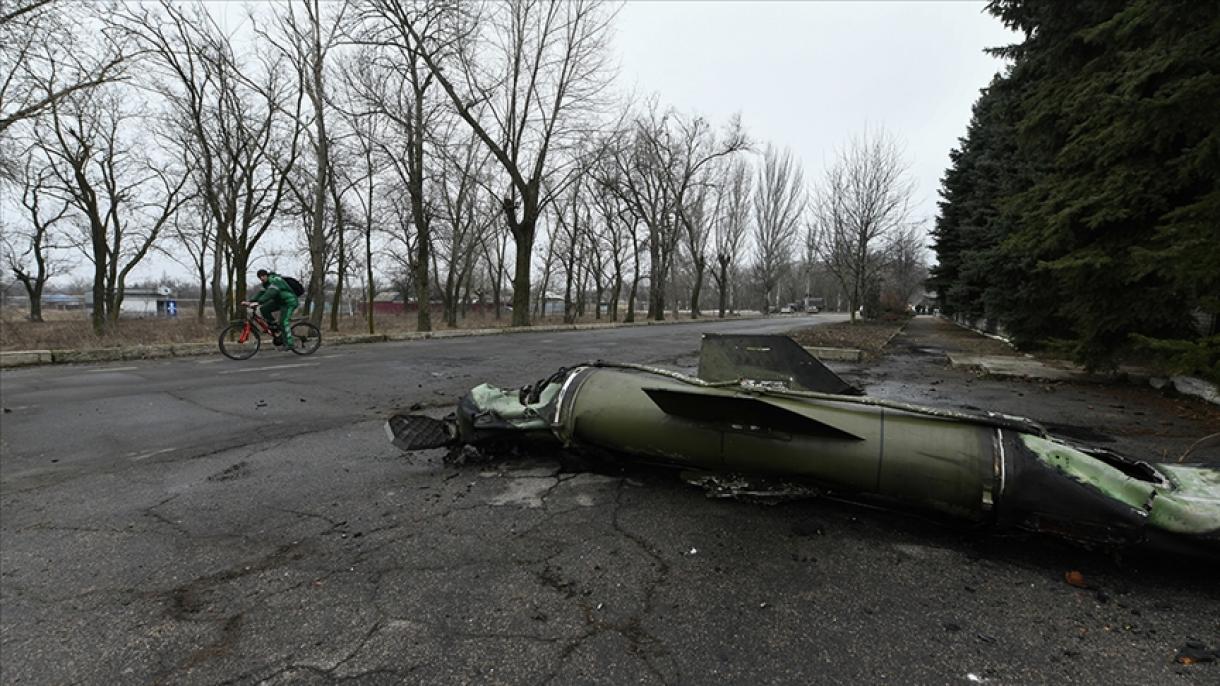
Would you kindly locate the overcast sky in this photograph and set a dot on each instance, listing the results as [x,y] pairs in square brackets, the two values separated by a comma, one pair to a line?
[809,75]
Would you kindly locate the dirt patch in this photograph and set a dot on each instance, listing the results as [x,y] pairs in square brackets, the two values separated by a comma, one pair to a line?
[952,338]
[869,336]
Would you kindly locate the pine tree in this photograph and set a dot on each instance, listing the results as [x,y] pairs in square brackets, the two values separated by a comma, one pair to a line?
[1102,228]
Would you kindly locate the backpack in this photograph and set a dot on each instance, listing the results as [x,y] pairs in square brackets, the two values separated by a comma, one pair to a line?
[295,285]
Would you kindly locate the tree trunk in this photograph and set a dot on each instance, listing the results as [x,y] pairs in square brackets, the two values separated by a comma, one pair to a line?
[450,297]
[656,282]
[33,290]
[219,305]
[497,293]
[370,290]
[724,285]
[36,302]
[341,275]
[523,237]
[569,269]
[597,295]
[203,287]
[700,266]
[237,277]
[99,284]
[617,290]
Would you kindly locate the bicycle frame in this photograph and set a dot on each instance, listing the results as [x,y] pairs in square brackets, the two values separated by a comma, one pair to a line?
[254,319]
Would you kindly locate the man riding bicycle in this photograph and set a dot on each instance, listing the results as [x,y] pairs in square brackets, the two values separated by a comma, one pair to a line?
[276,295]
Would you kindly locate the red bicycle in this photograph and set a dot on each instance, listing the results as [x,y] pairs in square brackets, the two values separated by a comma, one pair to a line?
[242,339]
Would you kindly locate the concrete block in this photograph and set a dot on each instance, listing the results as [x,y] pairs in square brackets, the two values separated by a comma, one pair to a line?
[86,355]
[145,352]
[1005,366]
[21,358]
[190,349]
[354,338]
[1189,385]
[835,354]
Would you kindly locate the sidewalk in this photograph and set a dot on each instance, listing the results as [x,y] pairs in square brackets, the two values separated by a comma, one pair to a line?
[990,357]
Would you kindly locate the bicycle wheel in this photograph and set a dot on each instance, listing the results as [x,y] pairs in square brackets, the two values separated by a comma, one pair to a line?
[237,344]
[305,338]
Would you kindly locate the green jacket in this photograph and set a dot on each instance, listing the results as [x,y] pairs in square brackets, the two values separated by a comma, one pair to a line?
[277,290]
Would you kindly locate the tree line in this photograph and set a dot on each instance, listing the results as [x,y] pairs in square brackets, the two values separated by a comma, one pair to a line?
[1081,208]
[448,150]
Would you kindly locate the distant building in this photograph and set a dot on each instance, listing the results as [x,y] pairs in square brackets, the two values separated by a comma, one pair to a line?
[552,304]
[50,301]
[385,302]
[144,302]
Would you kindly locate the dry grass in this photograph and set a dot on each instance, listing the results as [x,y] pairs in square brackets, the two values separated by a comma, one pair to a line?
[869,336]
[72,330]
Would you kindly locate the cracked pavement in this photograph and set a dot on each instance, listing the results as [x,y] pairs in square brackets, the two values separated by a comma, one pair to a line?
[188,522]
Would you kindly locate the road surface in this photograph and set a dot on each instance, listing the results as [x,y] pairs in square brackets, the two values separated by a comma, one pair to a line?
[203,521]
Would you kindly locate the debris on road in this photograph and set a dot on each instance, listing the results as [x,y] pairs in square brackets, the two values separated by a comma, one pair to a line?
[1195,652]
[762,406]
[1075,578]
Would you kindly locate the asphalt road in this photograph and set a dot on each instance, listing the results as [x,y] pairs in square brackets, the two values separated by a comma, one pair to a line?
[203,521]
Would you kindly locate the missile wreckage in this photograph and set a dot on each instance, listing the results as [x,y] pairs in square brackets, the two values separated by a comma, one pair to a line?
[762,406]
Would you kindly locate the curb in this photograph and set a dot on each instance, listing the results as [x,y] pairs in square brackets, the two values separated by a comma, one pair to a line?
[20,358]
[894,335]
[992,336]
[26,358]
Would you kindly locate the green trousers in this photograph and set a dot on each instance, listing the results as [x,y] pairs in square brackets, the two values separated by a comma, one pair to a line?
[268,311]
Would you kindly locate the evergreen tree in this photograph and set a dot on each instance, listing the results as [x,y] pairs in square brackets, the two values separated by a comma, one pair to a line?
[1083,203]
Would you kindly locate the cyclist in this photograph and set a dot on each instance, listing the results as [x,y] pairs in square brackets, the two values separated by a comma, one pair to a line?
[276,295]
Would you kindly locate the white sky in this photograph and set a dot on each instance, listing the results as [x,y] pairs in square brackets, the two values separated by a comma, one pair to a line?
[809,75]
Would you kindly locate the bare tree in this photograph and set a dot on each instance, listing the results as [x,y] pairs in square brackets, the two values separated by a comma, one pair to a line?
[660,172]
[192,230]
[696,217]
[31,257]
[368,130]
[43,60]
[466,214]
[305,40]
[401,230]
[613,237]
[698,148]
[494,243]
[125,197]
[237,123]
[397,82]
[779,205]
[643,167]
[524,76]
[732,218]
[863,198]
[571,225]
[906,266]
